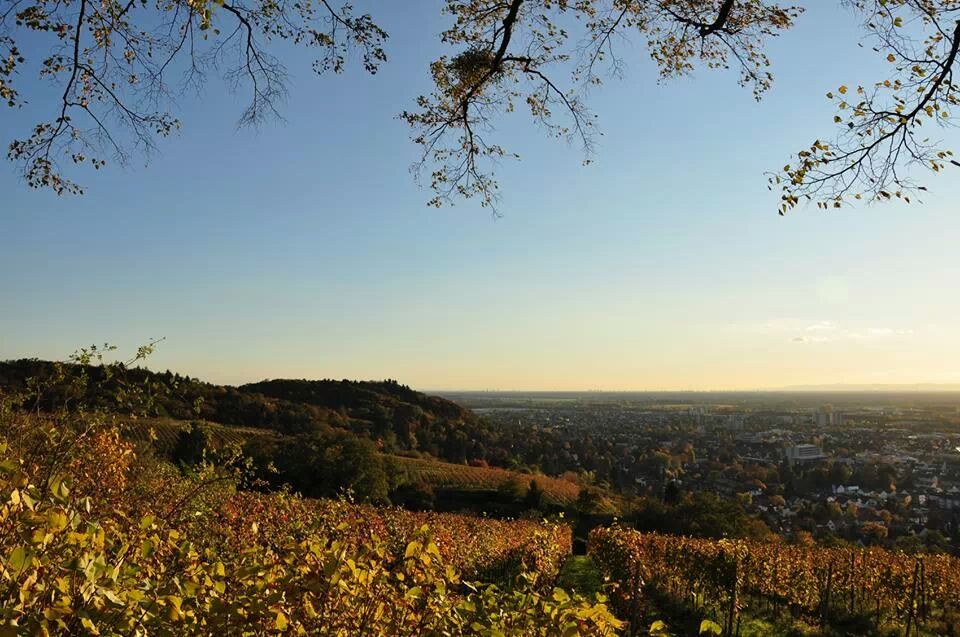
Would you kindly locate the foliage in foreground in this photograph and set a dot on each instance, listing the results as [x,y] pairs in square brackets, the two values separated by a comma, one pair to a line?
[96,540]
[721,577]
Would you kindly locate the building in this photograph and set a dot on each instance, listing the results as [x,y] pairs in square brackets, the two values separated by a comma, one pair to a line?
[827,417]
[801,454]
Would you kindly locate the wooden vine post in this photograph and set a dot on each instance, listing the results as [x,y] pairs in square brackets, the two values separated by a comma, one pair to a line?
[923,590]
[825,602]
[734,599]
[851,581]
[912,607]
[634,599]
[776,595]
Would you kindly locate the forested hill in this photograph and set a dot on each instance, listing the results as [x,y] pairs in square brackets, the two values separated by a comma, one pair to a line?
[394,415]
[360,395]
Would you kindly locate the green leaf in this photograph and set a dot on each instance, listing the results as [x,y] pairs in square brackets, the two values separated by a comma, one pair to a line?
[19,560]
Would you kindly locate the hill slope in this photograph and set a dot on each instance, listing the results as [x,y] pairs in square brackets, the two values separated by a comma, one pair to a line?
[133,547]
[163,433]
[399,418]
[372,437]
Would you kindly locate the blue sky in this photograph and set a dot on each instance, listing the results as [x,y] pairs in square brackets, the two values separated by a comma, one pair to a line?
[305,249]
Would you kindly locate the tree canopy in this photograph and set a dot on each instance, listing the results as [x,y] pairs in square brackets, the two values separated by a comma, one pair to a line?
[121,63]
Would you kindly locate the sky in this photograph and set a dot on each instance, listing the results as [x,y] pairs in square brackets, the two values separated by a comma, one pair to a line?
[305,249]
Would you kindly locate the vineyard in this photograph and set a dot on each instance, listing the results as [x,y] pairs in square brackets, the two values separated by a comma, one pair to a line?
[95,540]
[163,432]
[479,549]
[719,579]
[467,478]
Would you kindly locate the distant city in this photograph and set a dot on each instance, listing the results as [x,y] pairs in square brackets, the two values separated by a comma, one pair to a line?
[857,465]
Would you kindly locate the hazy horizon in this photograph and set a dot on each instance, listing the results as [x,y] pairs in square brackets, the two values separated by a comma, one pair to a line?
[893,388]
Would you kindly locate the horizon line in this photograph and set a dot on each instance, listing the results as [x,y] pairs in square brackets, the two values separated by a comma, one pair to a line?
[805,388]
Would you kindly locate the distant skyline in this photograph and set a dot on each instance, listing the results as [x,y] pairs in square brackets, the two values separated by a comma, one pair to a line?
[305,249]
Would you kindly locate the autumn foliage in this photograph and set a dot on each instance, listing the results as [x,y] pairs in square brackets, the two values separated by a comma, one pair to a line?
[98,539]
[722,577]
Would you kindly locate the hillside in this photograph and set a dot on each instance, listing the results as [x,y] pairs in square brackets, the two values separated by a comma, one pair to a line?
[99,540]
[359,397]
[395,416]
[455,480]
[383,441]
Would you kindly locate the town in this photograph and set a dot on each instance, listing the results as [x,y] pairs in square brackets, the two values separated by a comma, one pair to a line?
[866,467]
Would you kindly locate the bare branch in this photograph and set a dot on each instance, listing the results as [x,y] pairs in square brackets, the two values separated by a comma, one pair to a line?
[112,58]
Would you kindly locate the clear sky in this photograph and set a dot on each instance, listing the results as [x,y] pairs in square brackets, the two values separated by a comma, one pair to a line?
[305,249]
